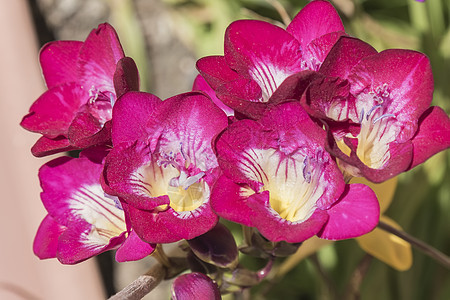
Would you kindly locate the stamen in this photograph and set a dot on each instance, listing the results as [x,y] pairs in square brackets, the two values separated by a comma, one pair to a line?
[191,180]
[115,199]
[372,110]
[361,117]
[382,117]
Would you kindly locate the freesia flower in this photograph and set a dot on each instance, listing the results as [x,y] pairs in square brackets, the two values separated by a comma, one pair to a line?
[377,105]
[163,165]
[278,178]
[82,220]
[260,56]
[80,76]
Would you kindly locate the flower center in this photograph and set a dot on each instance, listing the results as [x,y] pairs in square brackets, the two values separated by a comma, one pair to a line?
[170,174]
[293,181]
[376,129]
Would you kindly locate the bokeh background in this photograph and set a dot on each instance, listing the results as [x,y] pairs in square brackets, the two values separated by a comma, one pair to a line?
[166,37]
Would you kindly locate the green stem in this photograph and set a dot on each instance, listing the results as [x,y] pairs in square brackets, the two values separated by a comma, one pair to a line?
[422,246]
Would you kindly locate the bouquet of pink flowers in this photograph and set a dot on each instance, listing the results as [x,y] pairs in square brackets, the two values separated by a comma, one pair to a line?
[270,137]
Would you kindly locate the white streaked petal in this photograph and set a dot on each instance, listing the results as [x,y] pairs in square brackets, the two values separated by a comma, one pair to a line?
[90,204]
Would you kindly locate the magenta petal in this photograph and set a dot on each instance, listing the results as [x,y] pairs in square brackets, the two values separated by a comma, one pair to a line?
[45,146]
[227,202]
[433,135]
[244,96]
[200,84]
[293,87]
[52,113]
[131,113]
[276,229]
[195,286]
[344,55]
[171,226]
[75,245]
[355,214]
[181,121]
[407,76]
[318,49]
[122,177]
[249,50]
[126,77]
[215,70]
[82,128]
[98,58]
[314,20]
[133,248]
[59,62]
[46,241]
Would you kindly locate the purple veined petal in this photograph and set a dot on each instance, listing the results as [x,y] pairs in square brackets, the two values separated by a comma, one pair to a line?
[215,70]
[181,128]
[52,113]
[432,136]
[249,50]
[133,248]
[45,146]
[200,84]
[281,171]
[59,62]
[345,54]
[45,243]
[131,113]
[195,286]
[170,226]
[314,20]
[400,81]
[98,58]
[126,76]
[73,197]
[134,174]
[355,214]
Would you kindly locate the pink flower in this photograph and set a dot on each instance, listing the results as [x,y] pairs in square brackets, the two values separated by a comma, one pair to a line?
[82,220]
[259,57]
[278,178]
[163,165]
[378,107]
[83,79]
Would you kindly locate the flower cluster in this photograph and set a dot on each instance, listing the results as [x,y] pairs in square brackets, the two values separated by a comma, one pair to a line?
[268,138]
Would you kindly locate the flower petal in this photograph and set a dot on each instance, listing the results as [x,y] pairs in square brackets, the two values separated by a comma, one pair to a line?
[200,84]
[215,70]
[133,248]
[262,52]
[314,20]
[171,226]
[126,76]
[131,113]
[59,62]
[345,54]
[45,146]
[355,214]
[52,113]
[45,243]
[98,58]
[433,135]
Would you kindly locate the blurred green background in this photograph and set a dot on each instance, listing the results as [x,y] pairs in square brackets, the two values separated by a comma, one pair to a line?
[422,200]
